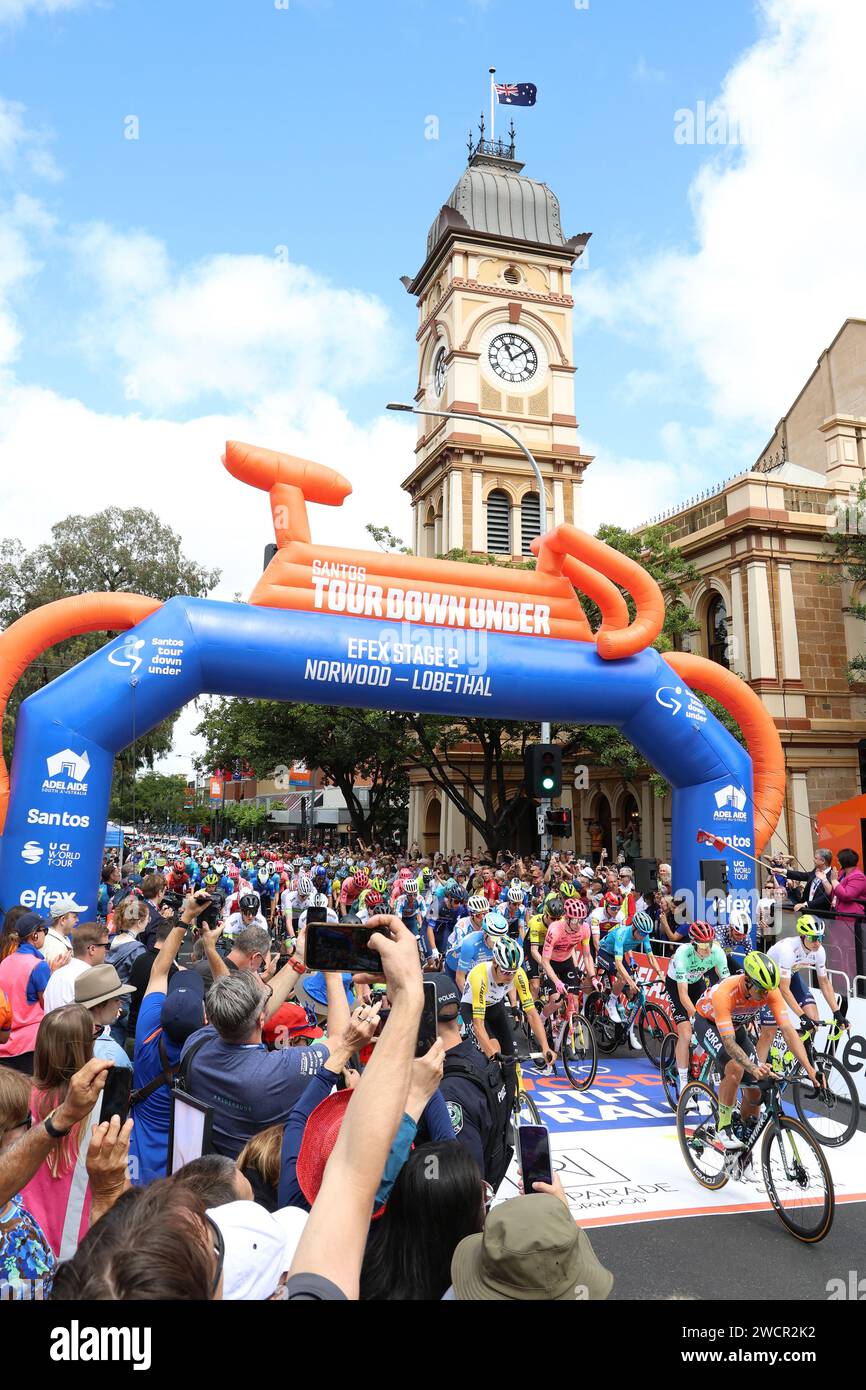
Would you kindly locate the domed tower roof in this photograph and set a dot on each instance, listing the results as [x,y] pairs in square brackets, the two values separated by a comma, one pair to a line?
[493,200]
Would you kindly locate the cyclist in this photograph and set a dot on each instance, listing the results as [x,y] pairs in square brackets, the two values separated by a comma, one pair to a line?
[720,1016]
[565,955]
[619,943]
[477,909]
[552,910]
[410,909]
[483,1002]
[514,912]
[795,953]
[351,891]
[477,947]
[733,935]
[604,918]
[687,978]
[247,915]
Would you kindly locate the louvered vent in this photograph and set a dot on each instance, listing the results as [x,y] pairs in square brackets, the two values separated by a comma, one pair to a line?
[490,399]
[514,405]
[530,522]
[538,403]
[499,523]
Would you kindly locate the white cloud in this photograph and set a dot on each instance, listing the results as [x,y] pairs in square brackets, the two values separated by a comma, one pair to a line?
[231,327]
[12,11]
[778,223]
[21,147]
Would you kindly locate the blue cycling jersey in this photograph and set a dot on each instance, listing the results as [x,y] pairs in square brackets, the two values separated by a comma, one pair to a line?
[623,939]
[473,951]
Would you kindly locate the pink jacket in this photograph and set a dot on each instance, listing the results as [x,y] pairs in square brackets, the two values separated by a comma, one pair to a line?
[850,891]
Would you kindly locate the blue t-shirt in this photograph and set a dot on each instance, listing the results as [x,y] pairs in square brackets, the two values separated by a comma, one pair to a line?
[106,1047]
[148,1144]
[315,986]
[40,974]
[248,1087]
[473,951]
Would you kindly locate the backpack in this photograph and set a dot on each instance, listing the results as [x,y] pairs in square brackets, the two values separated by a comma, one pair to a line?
[488,1078]
[170,1076]
[123,957]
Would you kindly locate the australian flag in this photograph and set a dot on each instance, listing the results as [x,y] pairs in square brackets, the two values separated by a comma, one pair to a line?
[516,93]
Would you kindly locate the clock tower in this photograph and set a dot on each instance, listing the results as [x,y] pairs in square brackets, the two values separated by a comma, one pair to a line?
[495,339]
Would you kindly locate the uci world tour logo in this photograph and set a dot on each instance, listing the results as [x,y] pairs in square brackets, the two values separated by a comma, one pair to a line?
[127,654]
[67,772]
[32,852]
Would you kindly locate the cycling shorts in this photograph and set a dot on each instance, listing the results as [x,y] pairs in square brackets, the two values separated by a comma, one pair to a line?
[564,970]
[607,962]
[710,1040]
[801,993]
[695,992]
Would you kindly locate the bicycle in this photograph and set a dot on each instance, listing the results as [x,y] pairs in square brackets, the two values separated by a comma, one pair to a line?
[653,1023]
[523,1107]
[700,1067]
[795,1172]
[830,1112]
[571,1038]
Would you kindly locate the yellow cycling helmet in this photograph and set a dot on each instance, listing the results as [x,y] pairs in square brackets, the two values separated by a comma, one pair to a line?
[762,970]
[807,925]
[567,890]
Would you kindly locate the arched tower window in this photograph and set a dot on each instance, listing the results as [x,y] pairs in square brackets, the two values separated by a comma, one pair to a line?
[499,523]
[717,631]
[530,521]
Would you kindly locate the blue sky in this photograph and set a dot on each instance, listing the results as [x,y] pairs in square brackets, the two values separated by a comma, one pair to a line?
[146,313]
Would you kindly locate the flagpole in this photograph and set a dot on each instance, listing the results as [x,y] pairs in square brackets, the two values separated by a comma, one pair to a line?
[492,106]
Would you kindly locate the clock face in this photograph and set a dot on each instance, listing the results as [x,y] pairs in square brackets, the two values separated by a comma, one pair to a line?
[439,371]
[512,357]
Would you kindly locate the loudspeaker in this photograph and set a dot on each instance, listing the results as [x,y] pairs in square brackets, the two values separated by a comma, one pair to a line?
[646,876]
[714,875]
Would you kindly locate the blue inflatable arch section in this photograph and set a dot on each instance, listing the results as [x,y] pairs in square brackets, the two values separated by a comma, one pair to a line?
[69,733]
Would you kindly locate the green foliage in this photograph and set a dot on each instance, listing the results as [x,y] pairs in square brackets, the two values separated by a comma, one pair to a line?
[158,799]
[246,816]
[386,540]
[113,551]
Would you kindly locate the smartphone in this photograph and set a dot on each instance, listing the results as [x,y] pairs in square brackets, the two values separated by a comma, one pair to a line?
[428,1028]
[534,1144]
[115,1094]
[316,915]
[335,946]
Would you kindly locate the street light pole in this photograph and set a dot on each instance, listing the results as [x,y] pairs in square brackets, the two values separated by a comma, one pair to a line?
[543,509]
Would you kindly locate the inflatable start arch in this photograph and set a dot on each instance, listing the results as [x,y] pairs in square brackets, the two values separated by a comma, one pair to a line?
[341,627]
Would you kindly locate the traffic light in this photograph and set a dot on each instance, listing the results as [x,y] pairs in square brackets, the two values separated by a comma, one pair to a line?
[559,823]
[543,770]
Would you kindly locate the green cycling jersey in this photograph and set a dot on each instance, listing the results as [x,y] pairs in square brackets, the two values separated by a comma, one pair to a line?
[687,967]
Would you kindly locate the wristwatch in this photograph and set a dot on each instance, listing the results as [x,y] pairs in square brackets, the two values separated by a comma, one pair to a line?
[52,1129]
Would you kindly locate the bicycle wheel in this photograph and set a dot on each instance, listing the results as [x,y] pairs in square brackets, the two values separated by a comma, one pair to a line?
[607,1033]
[797,1178]
[653,1027]
[668,1069]
[697,1118]
[832,1115]
[579,1052]
[526,1112]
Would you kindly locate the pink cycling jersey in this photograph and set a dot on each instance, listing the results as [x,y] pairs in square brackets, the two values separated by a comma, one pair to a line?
[559,943]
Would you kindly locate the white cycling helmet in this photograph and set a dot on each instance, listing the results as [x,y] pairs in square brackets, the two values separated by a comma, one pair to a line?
[508,954]
[478,903]
[410,886]
[515,895]
[319,900]
[495,925]
[305,885]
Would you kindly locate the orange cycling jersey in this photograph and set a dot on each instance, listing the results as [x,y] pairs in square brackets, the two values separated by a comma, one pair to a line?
[728,1004]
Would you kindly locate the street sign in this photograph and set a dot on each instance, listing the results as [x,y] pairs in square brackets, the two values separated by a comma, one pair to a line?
[541,820]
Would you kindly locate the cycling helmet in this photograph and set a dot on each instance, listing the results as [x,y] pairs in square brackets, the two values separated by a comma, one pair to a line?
[263,875]
[762,970]
[305,885]
[701,931]
[378,885]
[319,900]
[249,903]
[457,895]
[807,925]
[233,872]
[738,922]
[508,954]
[575,910]
[362,878]
[495,925]
[410,887]
[516,883]
[211,879]
[179,866]
[478,903]
[613,900]
[515,895]
[642,923]
[554,908]
[567,889]
[372,898]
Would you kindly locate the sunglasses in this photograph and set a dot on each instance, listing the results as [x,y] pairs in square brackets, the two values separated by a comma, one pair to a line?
[219,1250]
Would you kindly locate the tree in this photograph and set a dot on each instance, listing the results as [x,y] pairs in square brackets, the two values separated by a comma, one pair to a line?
[848,557]
[246,816]
[349,746]
[112,551]
[159,799]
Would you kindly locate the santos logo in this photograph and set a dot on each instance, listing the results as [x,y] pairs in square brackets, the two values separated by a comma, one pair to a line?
[66,772]
[32,852]
[731,796]
[63,818]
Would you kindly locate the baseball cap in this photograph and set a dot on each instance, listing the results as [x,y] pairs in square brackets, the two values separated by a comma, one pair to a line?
[447,993]
[182,1011]
[99,984]
[259,1247]
[65,904]
[530,1249]
[28,923]
[291,1019]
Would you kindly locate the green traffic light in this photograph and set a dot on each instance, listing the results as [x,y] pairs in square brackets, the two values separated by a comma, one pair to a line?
[548,783]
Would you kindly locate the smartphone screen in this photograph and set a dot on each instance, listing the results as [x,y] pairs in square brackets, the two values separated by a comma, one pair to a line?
[316,915]
[428,1028]
[115,1094]
[534,1141]
[335,946]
